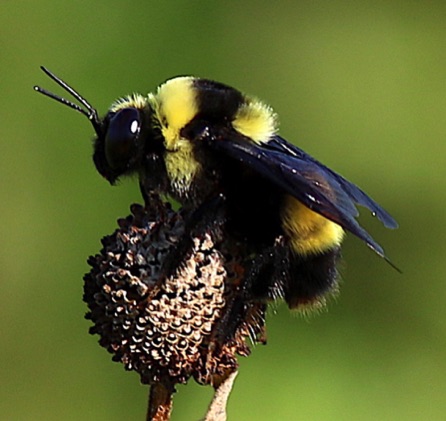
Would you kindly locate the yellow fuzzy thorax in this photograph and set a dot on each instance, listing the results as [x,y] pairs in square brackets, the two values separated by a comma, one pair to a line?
[175,105]
[309,232]
[255,120]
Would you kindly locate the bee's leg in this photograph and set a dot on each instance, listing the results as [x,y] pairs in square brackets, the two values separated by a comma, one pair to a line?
[208,218]
[147,195]
[268,272]
[263,280]
[240,312]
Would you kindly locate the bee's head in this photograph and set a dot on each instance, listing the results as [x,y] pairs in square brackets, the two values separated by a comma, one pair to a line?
[121,135]
[120,142]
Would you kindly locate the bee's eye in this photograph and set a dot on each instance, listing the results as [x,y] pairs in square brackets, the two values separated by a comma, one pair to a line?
[121,138]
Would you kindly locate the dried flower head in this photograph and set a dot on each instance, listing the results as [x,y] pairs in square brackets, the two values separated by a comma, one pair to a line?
[170,328]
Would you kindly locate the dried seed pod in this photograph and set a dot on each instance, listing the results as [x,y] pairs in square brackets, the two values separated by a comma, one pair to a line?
[168,329]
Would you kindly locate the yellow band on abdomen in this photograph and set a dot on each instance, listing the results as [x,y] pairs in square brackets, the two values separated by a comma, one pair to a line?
[309,232]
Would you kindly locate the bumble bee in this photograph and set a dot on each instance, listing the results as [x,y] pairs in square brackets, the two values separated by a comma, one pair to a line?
[217,151]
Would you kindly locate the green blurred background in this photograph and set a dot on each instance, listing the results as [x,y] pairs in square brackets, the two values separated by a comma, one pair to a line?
[361,85]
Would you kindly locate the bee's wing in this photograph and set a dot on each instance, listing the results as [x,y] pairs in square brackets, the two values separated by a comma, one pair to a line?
[353,191]
[301,176]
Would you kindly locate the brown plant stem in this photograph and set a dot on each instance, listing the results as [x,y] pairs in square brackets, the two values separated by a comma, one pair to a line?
[217,408]
[160,403]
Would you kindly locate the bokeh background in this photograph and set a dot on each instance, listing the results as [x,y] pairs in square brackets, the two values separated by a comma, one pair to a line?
[361,85]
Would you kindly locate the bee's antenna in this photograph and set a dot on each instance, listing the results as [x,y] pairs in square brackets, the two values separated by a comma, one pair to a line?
[90,112]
